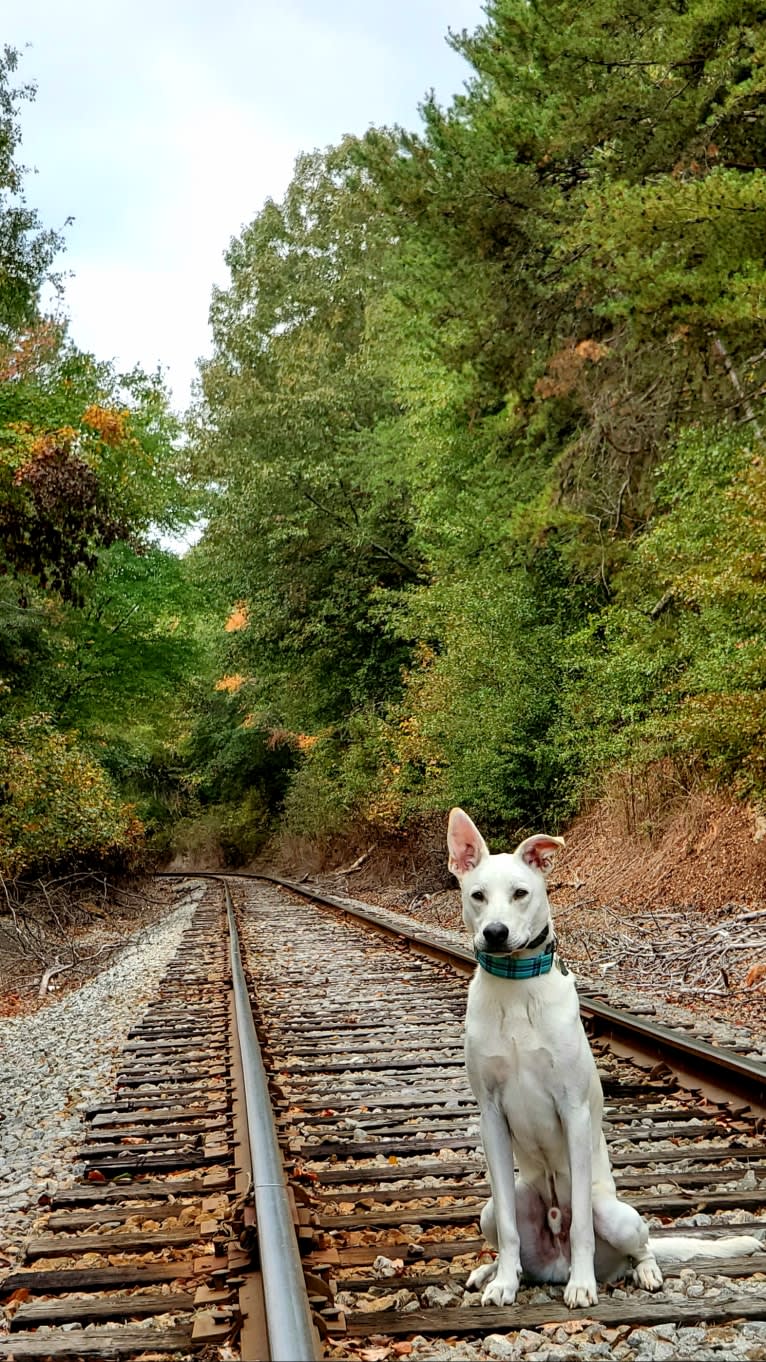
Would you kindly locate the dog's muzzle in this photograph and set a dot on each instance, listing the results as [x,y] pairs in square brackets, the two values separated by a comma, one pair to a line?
[496,937]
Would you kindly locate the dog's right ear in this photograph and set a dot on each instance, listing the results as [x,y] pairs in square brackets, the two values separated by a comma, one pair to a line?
[465,843]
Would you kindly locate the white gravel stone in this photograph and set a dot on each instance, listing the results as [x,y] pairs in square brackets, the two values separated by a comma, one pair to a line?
[504,1349]
[441,1297]
[56,1062]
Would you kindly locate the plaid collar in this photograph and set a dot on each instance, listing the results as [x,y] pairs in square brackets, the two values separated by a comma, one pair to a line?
[513,967]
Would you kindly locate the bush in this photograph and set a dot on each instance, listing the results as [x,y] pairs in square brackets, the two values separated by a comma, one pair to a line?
[57,806]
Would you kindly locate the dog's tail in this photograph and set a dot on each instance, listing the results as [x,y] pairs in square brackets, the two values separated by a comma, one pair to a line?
[681,1249]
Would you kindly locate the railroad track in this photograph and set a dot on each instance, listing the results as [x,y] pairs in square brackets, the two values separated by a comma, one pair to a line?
[363,1032]
[361,1035]
[153,1252]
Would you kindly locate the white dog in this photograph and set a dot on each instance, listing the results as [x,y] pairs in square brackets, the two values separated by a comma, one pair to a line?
[532,1072]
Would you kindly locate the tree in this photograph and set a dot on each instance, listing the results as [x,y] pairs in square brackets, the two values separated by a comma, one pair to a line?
[291,400]
[27,250]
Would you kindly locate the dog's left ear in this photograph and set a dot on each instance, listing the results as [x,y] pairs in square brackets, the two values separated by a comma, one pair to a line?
[539,851]
[465,843]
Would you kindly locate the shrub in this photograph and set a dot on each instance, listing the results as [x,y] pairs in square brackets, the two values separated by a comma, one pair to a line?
[57,805]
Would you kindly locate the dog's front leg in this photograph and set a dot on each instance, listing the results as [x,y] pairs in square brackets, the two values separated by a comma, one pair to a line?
[498,1151]
[581,1290]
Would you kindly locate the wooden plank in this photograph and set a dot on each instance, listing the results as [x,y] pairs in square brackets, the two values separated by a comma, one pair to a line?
[396,1048]
[713,1154]
[362,1255]
[402,1148]
[146,1163]
[161,1030]
[421,1107]
[101,1343]
[328,1177]
[637,1132]
[393,1065]
[200,1047]
[165,1143]
[415,1105]
[94,1278]
[100,1307]
[159,1115]
[384,1195]
[165,1130]
[376,1173]
[67,1221]
[671,1204]
[709,1179]
[492,1319]
[368,1149]
[349,1100]
[206,1099]
[134,1078]
[133,1191]
[140,1241]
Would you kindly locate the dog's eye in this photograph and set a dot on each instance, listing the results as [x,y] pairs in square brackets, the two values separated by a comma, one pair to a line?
[477,895]
[521,893]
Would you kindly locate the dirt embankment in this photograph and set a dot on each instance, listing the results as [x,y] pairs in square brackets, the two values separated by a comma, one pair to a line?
[708,853]
[703,852]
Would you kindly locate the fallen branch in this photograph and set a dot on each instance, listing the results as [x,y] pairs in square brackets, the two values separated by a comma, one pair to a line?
[48,975]
[358,863]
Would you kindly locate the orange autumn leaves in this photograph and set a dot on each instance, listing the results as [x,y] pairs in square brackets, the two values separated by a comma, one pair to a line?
[110,424]
[231,683]
[238,619]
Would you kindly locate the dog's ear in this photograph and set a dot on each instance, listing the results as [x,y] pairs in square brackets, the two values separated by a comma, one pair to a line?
[539,851]
[465,843]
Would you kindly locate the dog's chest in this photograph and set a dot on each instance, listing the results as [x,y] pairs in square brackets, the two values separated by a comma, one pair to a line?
[511,1056]
[522,1048]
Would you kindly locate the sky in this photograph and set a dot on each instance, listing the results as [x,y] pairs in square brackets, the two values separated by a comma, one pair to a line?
[161,128]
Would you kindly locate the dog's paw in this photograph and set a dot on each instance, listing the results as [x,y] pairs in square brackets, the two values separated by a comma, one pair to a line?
[648,1275]
[501,1291]
[578,1294]
[480,1275]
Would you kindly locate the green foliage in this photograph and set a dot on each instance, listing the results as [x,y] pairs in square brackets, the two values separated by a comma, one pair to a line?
[224,834]
[297,528]
[474,723]
[56,804]
[27,250]
[98,627]
[481,444]
[99,630]
[483,422]
[675,665]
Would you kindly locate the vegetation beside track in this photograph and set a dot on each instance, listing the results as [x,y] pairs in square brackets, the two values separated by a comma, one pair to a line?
[480,452]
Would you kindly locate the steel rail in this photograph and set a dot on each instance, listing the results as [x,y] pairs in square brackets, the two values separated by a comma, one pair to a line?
[697,1063]
[721,1072]
[292,1336]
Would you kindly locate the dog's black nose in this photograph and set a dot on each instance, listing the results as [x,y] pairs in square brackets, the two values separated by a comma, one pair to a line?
[495,935]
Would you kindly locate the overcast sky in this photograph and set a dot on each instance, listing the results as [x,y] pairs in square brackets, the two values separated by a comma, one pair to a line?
[162,127]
